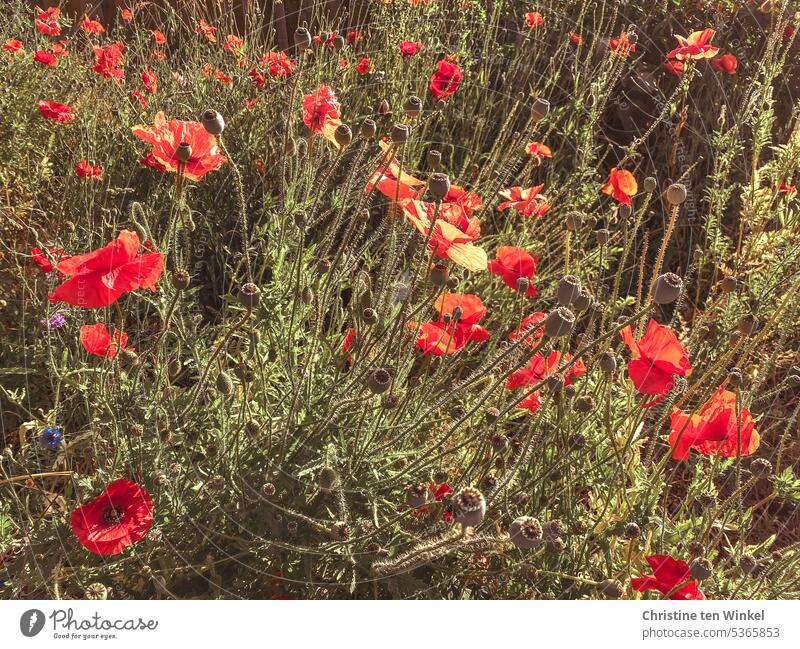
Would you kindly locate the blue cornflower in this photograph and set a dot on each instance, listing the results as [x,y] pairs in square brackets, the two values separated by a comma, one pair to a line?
[51,437]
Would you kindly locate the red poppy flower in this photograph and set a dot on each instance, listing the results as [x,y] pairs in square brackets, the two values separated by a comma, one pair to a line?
[575,38]
[668,574]
[512,263]
[528,202]
[165,137]
[788,190]
[385,179]
[445,79]
[539,149]
[45,58]
[47,21]
[364,66]
[788,33]
[86,169]
[108,61]
[100,277]
[92,26]
[621,185]
[354,36]
[726,63]
[158,37]
[320,109]
[117,518]
[249,104]
[534,19]
[206,30]
[14,46]
[138,96]
[467,201]
[232,44]
[347,343]
[539,368]
[150,81]
[97,341]
[410,48]
[278,64]
[622,46]
[60,48]
[657,359]
[151,161]
[158,55]
[694,47]
[126,15]
[531,327]
[44,260]
[55,111]
[674,68]
[715,430]
[440,338]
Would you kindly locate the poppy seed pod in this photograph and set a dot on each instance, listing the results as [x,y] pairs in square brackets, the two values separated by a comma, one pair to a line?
[368,129]
[572,221]
[584,404]
[469,507]
[650,184]
[300,219]
[327,479]
[369,315]
[491,415]
[338,42]
[559,322]
[433,159]
[323,266]
[624,210]
[568,290]
[748,564]
[748,324]
[457,311]
[608,362]
[700,568]
[213,122]
[290,148]
[728,284]
[526,532]
[667,288]
[610,589]
[416,495]
[400,133]
[343,135]
[540,109]
[499,443]
[249,296]
[302,38]
[383,107]
[413,106]
[379,381]
[735,377]
[602,236]
[391,401]
[180,279]
[631,531]
[676,194]
[439,185]
[761,467]
[522,284]
[183,152]
[584,300]
[439,275]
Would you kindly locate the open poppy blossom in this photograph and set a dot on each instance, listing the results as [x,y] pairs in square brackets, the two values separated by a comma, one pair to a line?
[321,112]
[86,169]
[674,68]
[531,328]
[575,38]
[466,200]
[409,48]
[715,430]
[119,517]
[108,61]
[391,181]
[60,48]
[158,37]
[726,63]
[539,149]
[621,185]
[694,47]
[14,46]
[440,337]
[149,81]
[622,46]
[90,26]
[165,137]
[47,21]
[511,264]
[232,44]
[206,30]
[364,66]
[534,19]
[657,359]
[99,342]
[445,79]
[528,202]
[668,574]
[45,58]
[539,368]
[278,64]
[47,261]
[126,15]
[787,189]
[99,278]
[55,111]
[138,96]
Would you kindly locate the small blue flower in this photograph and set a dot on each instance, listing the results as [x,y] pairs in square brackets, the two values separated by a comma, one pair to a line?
[51,437]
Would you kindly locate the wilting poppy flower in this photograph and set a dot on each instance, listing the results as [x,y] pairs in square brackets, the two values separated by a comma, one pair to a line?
[512,263]
[92,26]
[657,359]
[726,63]
[165,137]
[621,185]
[715,430]
[528,202]
[539,149]
[120,516]
[86,169]
[622,46]
[206,30]
[575,38]
[45,58]
[100,277]
[539,368]
[668,574]
[44,260]
[97,341]
[55,111]
[158,37]
[534,19]
[694,47]
[445,79]
[108,61]
[409,48]
[278,64]
[440,338]
[14,46]
[321,110]
[364,66]
[531,327]
[47,21]
[674,68]
[150,81]
[126,15]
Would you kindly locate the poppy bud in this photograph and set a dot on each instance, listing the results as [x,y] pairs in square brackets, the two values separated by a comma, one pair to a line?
[735,377]
[390,401]
[457,311]
[667,288]
[526,532]
[290,148]
[302,38]
[368,128]
[748,564]
[584,300]
[343,135]
[631,531]
[338,42]
[416,495]
[559,322]
[540,109]
[413,106]
[249,296]
[499,443]
[793,380]
[400,133]
[610,589]
[307,295]
[213,122]
[469,507]
[433,159]
[624,210]
[439,185]
[224,384]
[728,284]
[491,415]
[676,194]
[452,282]
[327,479]
[608,362]
[379,381]
[602,236]
[439,275]
[700,568]
[383,107]
[522,284]
[748,324]
[572,221]
[244,372]
[650,184]
[180,279]
[570,391]
[554,384]
[568,290]
[584,404]
[369,315]
[761,467]
[183,152]
[299,219]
